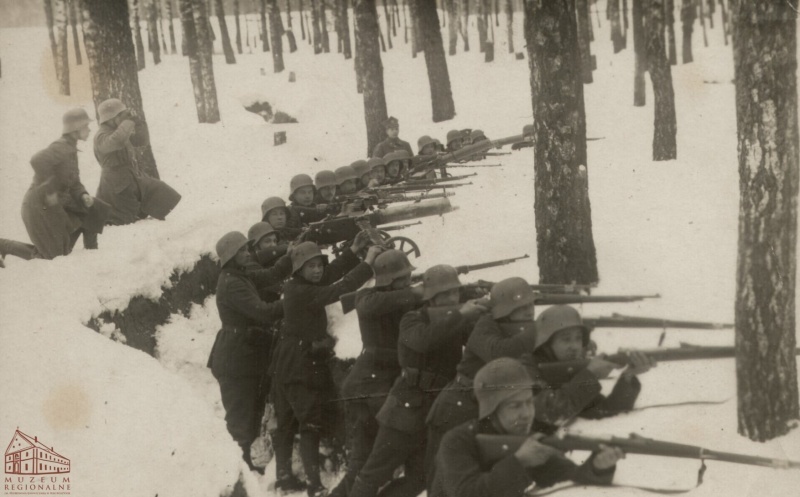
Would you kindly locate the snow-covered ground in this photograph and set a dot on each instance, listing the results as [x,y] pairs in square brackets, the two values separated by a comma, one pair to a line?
[134,425]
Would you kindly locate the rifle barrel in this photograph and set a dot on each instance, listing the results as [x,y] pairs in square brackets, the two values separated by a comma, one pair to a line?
[638,321]
[553,299]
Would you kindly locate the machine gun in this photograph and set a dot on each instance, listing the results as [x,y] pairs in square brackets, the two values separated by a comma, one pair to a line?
[348,300]
[421,165]
[493,448]
[557,373]
[364,201]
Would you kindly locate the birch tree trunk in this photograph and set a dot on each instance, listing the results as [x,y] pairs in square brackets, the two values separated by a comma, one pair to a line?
[62,47]
[664,134]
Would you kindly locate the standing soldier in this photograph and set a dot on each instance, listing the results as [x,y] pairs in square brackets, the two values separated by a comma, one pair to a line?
[325,183]
[303,210]
[262,241]
[239,357]
[57,209]
[429,350]
[506,407]
[302,381]
[562,336]
[132,195]
[508,331]
[379,312]
[392,142]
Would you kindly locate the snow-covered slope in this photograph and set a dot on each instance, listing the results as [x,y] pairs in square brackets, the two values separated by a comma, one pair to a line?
[134,425]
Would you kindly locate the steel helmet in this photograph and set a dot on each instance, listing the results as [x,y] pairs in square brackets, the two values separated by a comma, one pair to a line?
[325,178]
[438,279]
[390,265]
[271,203]
[466,133]
[424,140]
[345,173]
[303,253]
[510,294]
[555,319]
[396,155]
[477,135]
[109,109]
[299,181]
[229,245]
[497,381]
[259,231]
[73,120]
[375,162]
[453,134]
[527,130]
[360,167]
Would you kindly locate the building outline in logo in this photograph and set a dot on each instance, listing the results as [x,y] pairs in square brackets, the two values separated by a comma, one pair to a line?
[26,455]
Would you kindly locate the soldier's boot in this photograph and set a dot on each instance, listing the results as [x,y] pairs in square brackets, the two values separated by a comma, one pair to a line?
[286,481]
[89,240]
[309,453]
[18,249]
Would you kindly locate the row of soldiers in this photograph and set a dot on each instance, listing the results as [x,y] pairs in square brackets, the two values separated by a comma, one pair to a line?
[428,377]
[57,209]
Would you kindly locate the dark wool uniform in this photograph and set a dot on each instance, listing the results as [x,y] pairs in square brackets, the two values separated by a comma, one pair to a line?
[302,380]
[429,349]
[462,472]
[132,195]
[55,229]
[379,313]
[391,145]
[580,396]
[240,357]
[457,404]
[298,216]
[265,259]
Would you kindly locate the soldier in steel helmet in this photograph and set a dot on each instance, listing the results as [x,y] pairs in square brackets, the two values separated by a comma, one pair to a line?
[454,140]
[429,349]
[506,407]
[57,209]
[507,331]
[346,180]
[562,336]
[302,381]
[266,253]
[275,212]
[392,141]
[362,169]
[380,309]
[131,194]
[239,357]
[325,184]
[397,165]
[377,168]
[303,209]
[527,136]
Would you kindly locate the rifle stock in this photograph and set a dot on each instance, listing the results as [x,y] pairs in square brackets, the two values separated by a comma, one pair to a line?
[493,448]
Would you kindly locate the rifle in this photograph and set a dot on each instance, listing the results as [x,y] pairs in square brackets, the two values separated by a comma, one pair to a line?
[476,165]
[493,448]
[561,372]
[435,181]
[423,164]
[622,321]
[412,187]
[348,300]
[554,294]
[496,154]
[397,227]
[369,201]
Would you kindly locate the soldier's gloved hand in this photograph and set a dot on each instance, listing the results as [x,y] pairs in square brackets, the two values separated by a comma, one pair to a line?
[607,457]
[360,242]
[600,367]
[532,453]
[640,363]
[372,253]
[472,308]
[88,201]
[127,126]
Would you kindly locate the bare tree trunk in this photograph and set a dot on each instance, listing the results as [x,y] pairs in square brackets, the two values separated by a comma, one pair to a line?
[435,61]
[48,13]
[357,59]
[62,47]
[238,27]
[564,240]
[160,10]
[152,31]
[765,62]
[711,11]
[640,54]
[366,16]
[725,21]
[73,20]
[316,26]
[616,25]
[481,21]
[302,25]
[204,48]
[172,45]
[464,5]
[624,24]
[112,63]
[137,34]
[275,32]
[227,48]
[405,24]
[388,20]
[702,15]
[670,11]
[688,14]
[664,134]
[509,8]
[344,20]
[414,19]
[323,26]
[263,18]
[582,17]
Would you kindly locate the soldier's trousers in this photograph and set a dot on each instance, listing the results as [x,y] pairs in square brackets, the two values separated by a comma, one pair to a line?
[244,399]
[362,429]
[18,249]
[297,407]
[392,449]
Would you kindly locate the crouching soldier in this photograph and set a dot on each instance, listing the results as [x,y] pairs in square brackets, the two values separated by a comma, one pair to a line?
[240,354]
[506,407]
[392,141]
[396,166]
[508,331]
[362,169]
[346,180]
[303,210]
[429,349]
[562,336]
[275,212]
[379,312]
[454,140]
[377,172]
[302,381]
[325,183]
[131,194]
